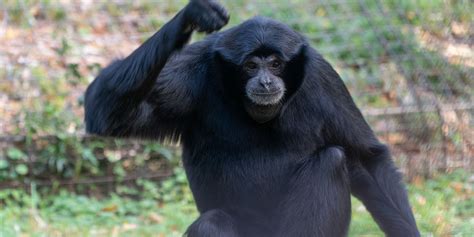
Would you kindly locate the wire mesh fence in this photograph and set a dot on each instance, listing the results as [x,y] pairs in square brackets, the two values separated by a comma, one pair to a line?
[408,65]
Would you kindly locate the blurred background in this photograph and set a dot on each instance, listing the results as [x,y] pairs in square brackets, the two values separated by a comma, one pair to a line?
[408,64]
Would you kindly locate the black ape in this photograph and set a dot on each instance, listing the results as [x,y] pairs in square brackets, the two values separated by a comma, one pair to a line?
[265,123]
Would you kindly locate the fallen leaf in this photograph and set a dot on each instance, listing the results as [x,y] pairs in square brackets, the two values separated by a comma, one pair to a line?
[155,218]
[110,208]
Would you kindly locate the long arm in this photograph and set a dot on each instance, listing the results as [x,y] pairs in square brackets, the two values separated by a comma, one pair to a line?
[127,100]
[373,176]
[378,184]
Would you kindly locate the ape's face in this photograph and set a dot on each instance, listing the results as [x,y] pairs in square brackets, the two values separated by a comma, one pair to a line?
[264,84]
[262,63]
[264,87]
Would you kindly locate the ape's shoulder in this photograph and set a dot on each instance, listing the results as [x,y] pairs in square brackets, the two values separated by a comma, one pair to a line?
[191,61]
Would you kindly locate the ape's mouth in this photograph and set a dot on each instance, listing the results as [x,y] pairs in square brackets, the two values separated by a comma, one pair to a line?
[266,98]
[270,93]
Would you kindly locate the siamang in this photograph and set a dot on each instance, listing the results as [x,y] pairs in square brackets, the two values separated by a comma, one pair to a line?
[273,144]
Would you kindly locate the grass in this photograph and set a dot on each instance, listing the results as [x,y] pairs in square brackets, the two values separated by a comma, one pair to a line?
[443,206]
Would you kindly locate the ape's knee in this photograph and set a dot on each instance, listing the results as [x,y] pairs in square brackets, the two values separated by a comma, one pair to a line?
[213,223]
[332,157]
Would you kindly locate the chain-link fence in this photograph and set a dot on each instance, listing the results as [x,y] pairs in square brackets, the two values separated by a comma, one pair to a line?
[408,64]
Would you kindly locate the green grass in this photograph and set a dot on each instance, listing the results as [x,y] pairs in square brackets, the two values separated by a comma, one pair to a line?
[444,206]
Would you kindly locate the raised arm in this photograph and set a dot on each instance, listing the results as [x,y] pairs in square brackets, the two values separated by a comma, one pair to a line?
[119,101]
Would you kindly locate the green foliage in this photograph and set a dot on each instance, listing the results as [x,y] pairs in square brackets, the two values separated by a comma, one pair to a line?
[154,209]
[11,166]
[433,14]
[69,158]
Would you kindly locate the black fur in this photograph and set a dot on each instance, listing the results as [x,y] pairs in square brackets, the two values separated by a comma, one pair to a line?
[286,177]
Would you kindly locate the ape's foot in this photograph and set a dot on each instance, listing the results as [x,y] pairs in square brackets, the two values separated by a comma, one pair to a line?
[213,223]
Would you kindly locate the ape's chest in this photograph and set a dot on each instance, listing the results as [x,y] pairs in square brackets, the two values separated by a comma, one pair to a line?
[229,164]
[236,131]
[242,160]
[222,175]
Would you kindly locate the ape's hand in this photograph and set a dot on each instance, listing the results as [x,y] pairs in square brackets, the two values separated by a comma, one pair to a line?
[205,15]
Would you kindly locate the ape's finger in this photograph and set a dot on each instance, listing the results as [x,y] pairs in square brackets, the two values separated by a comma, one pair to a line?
[210,23]
[221,11]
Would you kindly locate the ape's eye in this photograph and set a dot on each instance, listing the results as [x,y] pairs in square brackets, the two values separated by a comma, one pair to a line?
[276,64]
[250,66]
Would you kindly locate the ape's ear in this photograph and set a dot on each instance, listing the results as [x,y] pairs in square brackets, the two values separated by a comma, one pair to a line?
[228,57]
[295,74]
[221,55]
[296,69]
[224,62]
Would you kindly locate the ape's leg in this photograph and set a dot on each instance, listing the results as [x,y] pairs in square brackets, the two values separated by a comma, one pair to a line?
[213,223]
[378,184]
[318,201]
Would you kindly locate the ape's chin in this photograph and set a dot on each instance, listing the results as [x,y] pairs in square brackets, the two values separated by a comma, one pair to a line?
[262,113]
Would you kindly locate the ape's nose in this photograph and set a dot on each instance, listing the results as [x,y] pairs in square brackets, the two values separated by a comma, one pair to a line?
[266,83]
